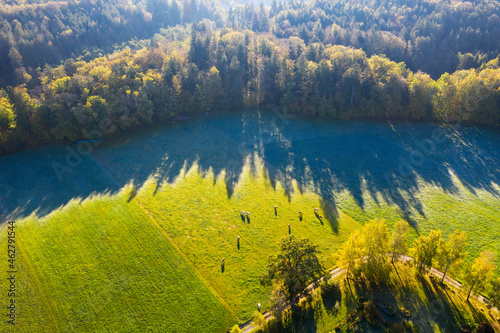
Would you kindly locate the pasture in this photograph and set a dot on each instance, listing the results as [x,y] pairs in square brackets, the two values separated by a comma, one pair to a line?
[133,235]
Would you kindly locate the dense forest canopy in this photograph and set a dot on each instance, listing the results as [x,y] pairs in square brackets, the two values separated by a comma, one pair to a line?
[70,69]
[35,34]
[432,36]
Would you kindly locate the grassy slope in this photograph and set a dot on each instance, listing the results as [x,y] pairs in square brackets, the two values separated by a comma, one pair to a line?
[103,265]
[204,223]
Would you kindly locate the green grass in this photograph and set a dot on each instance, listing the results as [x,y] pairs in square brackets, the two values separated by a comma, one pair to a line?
[477,213]
[152,260]
[205,228]
[102,265]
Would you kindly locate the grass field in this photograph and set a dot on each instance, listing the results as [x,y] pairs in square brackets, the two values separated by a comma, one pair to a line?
[102,265]
[133,236]
[212,222]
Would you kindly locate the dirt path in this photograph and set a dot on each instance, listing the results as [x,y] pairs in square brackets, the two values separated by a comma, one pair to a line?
[248,326]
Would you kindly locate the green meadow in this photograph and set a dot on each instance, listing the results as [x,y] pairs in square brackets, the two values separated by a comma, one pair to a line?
[132,237]
[211,223]
[102,264]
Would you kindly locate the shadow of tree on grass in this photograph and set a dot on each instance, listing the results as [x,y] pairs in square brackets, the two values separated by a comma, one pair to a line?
[323,155]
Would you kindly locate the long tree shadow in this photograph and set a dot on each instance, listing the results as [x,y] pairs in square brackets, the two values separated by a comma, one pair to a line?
[443,312]
[331,297]
[426,299]
[387,161]
[302,318]
[34,181]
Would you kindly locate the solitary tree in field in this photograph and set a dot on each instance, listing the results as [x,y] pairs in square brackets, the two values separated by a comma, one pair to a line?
[398,239]
[294,267]
[452,252]
[349,253]
[479,274]
[426,248]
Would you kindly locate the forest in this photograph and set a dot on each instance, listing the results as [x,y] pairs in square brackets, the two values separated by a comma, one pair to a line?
[72,70]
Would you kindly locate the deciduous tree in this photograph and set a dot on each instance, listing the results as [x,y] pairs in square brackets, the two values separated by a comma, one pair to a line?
[350,252]
[478,275]
[398,239]
[294,267]
[7,117]
[452,252]
[426,248]
[374,247]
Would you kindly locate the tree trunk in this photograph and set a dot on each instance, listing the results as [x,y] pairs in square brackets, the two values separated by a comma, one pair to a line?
[470,291]
[447,265]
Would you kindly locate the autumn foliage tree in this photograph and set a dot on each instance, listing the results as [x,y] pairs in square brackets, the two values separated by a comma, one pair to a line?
[350,252]
[7,116]
[478,275]
[426,249]
[368,249]
[374,248]
[452,251]
[398,239]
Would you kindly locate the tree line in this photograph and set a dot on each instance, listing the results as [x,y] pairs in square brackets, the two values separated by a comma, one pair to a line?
[203,68]
[365,254]
[369,254]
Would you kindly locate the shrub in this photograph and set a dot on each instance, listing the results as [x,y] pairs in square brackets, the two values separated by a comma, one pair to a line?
[258,319]
[235,329]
